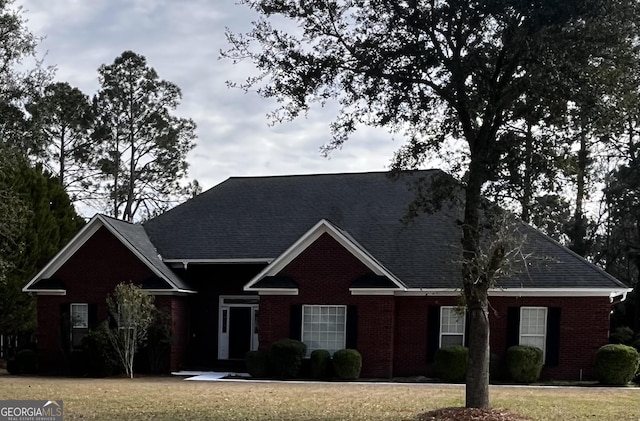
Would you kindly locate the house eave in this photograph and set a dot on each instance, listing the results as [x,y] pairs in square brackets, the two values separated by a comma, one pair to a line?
[275,291]
[46,291]
[184,263]
[170,291]
[372,291]
[524,292]
[556,292]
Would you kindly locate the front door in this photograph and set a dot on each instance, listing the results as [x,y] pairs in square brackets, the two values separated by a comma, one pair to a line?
[237,327]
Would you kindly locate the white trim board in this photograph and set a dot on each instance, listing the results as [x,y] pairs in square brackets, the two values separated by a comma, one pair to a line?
[186,262]
[518,292]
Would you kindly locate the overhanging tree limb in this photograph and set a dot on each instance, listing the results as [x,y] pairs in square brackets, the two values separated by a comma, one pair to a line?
[456,67]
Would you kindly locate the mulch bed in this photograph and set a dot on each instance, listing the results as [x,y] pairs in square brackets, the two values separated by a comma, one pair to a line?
[471,414]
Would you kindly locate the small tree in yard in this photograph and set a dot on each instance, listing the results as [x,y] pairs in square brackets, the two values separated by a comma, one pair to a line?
[132,310]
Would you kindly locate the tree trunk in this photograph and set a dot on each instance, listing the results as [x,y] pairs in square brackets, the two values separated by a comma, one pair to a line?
[475,292]
[579,245]
[116,172]
[527,187]
[477,389]
[128,213]
[62,156]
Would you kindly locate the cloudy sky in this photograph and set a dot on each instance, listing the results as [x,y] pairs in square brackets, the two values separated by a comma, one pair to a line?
[182,40]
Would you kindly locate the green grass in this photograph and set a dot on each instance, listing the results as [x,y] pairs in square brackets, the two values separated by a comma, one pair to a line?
[164,398]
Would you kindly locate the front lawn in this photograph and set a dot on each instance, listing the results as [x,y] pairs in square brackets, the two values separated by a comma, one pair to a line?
[166,398]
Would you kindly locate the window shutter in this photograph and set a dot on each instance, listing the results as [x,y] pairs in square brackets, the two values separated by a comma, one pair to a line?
[433,332]
[65,326]
[513,326]
[351,341]
[467,327]
[92,315]
[552,353]
[295,322]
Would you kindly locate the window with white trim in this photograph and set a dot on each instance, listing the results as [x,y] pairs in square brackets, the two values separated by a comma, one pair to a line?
[451,326]
[79,323]
[324,327]
[533,327]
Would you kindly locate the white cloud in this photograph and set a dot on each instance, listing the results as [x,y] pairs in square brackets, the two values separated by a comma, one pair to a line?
[182,41]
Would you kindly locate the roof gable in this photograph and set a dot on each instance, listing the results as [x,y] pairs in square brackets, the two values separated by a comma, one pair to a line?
[321,227]
[132,236]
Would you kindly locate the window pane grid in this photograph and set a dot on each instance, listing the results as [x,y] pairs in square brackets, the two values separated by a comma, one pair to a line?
[451,326]
[533,327]
[79,316]
[323,327]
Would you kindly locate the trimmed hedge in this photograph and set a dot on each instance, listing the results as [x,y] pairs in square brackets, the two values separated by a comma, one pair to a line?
[616,364]
[257,363]
[320,363]
[451,363]
[25,362]
[524,363]
[285,357]
[347,364]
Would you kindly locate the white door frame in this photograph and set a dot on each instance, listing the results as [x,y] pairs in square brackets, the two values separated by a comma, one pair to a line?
[226,302]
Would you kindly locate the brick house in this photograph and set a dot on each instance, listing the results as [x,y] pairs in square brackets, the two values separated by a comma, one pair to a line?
[324,259]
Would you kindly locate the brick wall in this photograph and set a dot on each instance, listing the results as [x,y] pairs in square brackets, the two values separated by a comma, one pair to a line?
[584,327]
[177,308]
[393,331]
[90,275]
[324,272]
[411,338]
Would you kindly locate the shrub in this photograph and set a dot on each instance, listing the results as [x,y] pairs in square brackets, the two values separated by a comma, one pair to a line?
[153,356]
[625,336]
[622,335]
[285,357]
[257,363]
[524,363]
[347,364]
[100,358]
[305,369]
[320,363]
[12,366]
[451,363]
[616,364]
[25,362]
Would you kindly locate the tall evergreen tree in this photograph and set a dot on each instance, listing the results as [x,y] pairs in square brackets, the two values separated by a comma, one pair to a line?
[62,118]
[144,146]
[435,70]
[43,221]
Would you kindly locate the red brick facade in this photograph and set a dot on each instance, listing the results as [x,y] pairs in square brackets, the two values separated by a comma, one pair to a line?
[393,330]
[178,309]
[89,276]
[324,272]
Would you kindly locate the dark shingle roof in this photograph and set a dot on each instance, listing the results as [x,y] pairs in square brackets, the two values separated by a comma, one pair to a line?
[260,217]
[552,265]
[137,237]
